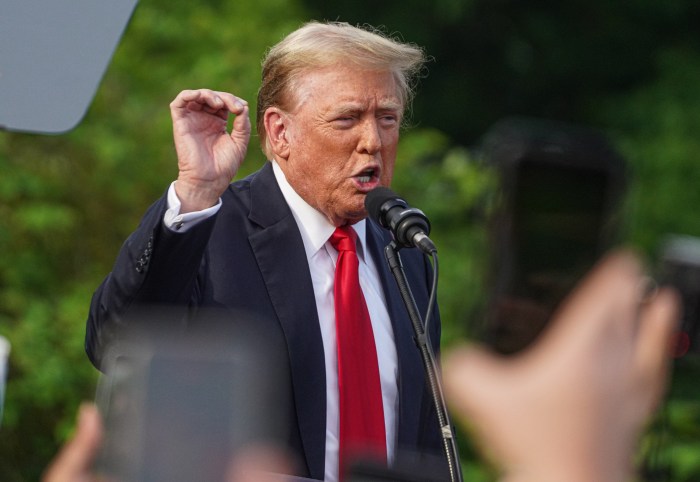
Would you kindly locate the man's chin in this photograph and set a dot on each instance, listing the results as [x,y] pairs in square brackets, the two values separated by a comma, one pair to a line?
[354,216]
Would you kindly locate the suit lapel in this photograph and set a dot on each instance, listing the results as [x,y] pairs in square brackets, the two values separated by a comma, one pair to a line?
[279,251]
[411,371]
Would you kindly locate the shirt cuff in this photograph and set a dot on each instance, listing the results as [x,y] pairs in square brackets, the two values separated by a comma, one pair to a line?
[180,223]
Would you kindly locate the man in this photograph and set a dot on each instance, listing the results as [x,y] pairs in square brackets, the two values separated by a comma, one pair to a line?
[330,108]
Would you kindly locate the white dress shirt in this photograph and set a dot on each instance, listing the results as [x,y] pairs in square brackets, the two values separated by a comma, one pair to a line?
[315,232]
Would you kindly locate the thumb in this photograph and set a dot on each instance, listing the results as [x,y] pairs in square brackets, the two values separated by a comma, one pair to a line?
[240,131]
[469,373]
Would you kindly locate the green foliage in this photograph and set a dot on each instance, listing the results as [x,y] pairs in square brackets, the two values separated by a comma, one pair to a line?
[451,188]
[656,128]
[68,202]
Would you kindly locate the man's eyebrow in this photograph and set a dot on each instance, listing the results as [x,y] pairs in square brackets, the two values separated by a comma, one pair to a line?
[390,105]
[347,108]
[355,108]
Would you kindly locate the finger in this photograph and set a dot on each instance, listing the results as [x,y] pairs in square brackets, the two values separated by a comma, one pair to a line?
[657,325]
[210,101]
[187,96]
[200,99]
[75,459]
[467,375]
[234,104]
[241,126]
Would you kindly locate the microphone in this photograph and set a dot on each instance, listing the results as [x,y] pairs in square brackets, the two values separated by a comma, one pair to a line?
[410,226]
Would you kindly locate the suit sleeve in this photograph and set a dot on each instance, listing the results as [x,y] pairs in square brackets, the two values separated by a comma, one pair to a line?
[155,266]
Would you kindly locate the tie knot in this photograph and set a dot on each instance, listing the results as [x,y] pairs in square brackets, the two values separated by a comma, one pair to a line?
[343,239]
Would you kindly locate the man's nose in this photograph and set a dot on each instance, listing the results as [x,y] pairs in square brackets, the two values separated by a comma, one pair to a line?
[370,138]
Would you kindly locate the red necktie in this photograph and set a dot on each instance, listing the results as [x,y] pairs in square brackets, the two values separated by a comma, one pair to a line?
[360,394]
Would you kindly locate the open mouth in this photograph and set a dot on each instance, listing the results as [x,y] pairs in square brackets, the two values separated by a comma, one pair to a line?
[367,175]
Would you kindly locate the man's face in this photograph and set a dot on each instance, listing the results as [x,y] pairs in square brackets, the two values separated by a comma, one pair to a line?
[342,134]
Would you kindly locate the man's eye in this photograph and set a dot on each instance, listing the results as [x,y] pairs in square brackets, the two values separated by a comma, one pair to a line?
[343,121]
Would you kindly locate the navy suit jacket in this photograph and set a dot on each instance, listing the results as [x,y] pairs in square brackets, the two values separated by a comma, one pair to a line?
[250,256]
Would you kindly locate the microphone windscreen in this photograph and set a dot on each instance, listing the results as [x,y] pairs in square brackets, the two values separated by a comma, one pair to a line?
[375,199]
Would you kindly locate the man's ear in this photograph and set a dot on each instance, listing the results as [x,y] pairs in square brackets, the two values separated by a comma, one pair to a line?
[276,127]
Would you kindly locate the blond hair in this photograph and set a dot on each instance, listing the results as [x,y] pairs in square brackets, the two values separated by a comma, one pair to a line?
[317,45]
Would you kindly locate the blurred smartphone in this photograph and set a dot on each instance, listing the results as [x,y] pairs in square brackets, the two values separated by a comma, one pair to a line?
[680,268]
[180,404]
[560,187]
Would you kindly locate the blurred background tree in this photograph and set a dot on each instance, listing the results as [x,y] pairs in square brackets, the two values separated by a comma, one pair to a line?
[630,69]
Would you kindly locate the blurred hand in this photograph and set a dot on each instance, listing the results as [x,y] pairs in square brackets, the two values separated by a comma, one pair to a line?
[74,462]
[572,406]
[260,464]
[208,156]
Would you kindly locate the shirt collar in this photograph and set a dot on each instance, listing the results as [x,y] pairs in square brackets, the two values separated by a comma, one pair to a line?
[314,226]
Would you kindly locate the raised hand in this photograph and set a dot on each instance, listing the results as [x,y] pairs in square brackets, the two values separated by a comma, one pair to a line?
[572,405]
[208,155]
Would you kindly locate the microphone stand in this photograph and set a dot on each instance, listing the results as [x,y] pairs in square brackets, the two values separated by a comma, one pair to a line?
[429,362]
